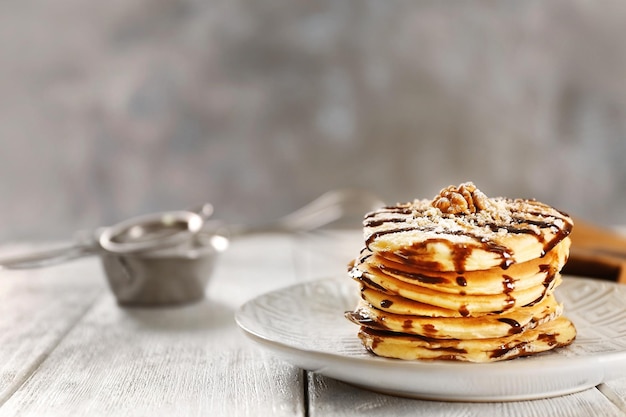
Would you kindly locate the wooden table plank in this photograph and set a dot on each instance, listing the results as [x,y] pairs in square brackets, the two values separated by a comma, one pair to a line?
[328,397]
[189,360]
[181,361]
[37,309]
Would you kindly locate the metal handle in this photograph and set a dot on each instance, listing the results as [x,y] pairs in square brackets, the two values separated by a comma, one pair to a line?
[47,257]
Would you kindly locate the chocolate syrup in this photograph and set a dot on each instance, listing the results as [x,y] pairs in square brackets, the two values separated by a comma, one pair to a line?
[358,318]
[508,283]
[365,258]
[406,256]
[508,286]
[391,209]
[378,234]
[460,254]
[551,274]
[508,303]
[548,245]
[547,283]
[412,275]
[515,326]
[549,339]
[545,268]
[501,351]
[375,343]
[377,337]
[368,282]
[429,330]
[386,303]
[376,223]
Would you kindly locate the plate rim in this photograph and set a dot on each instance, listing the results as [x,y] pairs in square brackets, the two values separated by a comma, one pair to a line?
[598,362]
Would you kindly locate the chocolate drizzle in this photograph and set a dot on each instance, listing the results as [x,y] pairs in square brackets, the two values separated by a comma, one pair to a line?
[378,335]
[380,233]
[371,284]
[515,326]
[547,283]
[413,276]
[501,351]
[429,330]
[386,303]
[547,338]
[508,284]
[379,222]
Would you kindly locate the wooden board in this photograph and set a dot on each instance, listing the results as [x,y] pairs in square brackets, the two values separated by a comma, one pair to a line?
[328,397]
[182,361]
[37,309]
[189,360]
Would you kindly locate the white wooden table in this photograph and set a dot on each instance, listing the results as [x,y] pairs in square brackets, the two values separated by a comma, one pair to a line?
[67,348]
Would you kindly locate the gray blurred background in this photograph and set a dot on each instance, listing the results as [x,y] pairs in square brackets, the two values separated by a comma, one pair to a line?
[115,108]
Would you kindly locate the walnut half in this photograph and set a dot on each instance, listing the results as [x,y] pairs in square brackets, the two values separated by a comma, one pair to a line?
[464,199]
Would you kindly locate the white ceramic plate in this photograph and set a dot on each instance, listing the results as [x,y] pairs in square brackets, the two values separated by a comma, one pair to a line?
[304,324]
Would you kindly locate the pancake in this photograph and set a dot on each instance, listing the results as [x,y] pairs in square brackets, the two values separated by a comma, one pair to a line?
[465,304]
[553,334]
[483,327]
[499,232]
[399,305]
[462,277]
[491,281]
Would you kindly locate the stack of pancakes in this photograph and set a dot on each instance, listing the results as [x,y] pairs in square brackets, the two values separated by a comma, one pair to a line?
[462,277]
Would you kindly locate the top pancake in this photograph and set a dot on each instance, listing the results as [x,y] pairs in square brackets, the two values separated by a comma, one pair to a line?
[462,230]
